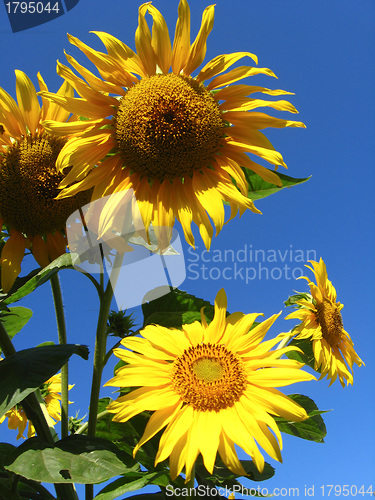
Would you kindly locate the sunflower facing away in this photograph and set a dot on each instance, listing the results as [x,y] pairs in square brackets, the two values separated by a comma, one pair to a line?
[322,324]
[50,391]
[29,179]
[211,386]
[177,141]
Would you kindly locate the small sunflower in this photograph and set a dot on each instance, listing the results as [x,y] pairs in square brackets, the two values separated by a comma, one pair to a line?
[211,386]
[322,323]
[29,179]
[50,390]
[177,141]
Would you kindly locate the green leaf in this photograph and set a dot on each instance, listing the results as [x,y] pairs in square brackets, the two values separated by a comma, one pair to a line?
[126,435]
[148,496]
[306,356]
[14,319]
[131,482]
[312,429]
[5,450]
[258,188]
[25,371]
[75,459]
[176,309]
[24,286]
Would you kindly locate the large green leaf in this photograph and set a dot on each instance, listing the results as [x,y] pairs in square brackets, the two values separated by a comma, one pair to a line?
[176,309]
[24,286]
[14,319]
[258,188]
[25,371]
[130,482]
[75,459]
[312,429]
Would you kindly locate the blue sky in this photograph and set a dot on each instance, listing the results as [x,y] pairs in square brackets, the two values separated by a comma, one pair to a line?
[322,51]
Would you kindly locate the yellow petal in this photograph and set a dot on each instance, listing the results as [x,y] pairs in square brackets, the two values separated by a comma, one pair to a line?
[198,49]
[161,42]
[221,63]
[27,100]
[118,49]
[56,244]
[181,44]
[40,251]
[215,329]
[157,421]
[12,117]
[254,119]
[238,74]
[143,42]
[11,258]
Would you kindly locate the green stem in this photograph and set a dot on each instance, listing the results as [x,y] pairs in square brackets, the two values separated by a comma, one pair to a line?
[190,484]
[84,426]
[61,329]
[34,413]
[100,354]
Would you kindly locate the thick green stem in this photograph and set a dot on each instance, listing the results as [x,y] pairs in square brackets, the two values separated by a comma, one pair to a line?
[34,413]
[100,354]
[61,330]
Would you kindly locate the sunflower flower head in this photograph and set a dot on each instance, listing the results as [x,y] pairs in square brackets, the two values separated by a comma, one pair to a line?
[178,140]
[50,391]
[321,322]
[29,179]
[211,386]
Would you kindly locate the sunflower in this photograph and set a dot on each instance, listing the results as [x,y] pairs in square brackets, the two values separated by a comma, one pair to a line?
[211,386]
[50,390]
[29,179]
[151,126]
[322,323]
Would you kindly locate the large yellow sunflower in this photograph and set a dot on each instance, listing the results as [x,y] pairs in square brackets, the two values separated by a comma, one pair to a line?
[17,419]
[322,324]
[29,179]
[211,386]
[178,142]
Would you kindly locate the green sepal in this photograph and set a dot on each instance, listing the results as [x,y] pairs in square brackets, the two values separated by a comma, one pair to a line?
[293,299]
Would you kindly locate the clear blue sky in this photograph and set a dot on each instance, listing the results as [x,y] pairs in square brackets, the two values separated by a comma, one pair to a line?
[322,51]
